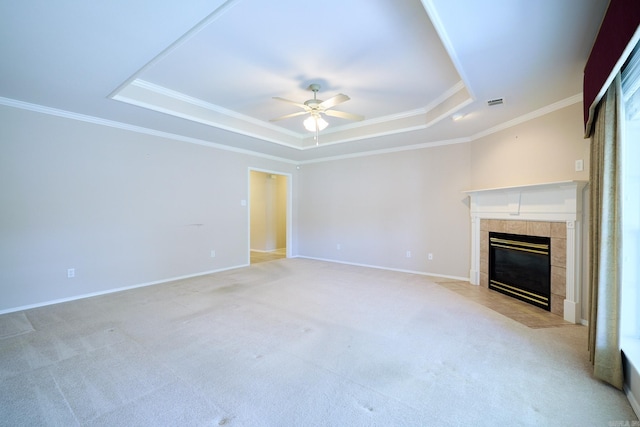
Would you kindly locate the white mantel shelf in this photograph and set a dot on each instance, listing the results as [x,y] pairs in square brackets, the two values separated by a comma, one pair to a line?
[554,202]
[529,186]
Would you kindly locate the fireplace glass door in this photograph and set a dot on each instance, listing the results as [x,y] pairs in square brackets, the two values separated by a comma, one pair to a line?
[519,266]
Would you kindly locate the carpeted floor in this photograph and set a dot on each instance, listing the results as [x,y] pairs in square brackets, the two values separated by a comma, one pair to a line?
[295,342]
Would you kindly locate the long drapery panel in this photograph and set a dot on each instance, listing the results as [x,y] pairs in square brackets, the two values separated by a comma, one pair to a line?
[606,238]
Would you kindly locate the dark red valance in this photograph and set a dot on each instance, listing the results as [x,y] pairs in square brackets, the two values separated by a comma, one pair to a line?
[620,24]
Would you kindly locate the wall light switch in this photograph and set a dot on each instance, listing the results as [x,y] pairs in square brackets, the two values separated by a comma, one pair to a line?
[71,273]
[579,165]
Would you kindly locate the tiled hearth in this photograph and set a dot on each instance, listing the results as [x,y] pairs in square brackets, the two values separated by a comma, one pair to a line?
[549,210]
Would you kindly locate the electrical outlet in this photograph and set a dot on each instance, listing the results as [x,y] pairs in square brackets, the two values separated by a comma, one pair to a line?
[408,254]
[430,256]
[71,273]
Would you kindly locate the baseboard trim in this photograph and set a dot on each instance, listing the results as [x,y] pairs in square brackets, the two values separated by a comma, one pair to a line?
[268,251]
[632,400]
[172,279]
[422,273]
[111,291]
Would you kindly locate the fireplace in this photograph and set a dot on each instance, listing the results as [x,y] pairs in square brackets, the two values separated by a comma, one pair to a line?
[520,267]
[547,210]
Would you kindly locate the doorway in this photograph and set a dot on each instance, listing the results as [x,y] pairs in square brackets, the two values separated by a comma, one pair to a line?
[269,215]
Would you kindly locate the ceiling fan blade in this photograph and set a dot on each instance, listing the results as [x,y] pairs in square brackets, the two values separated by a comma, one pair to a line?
[333,101]
[343,115]
[291,102]
[288,116]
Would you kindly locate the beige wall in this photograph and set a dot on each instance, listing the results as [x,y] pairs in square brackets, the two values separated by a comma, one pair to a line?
[379,207]
[268,211]
[122,208]
[281,211]
[541,150]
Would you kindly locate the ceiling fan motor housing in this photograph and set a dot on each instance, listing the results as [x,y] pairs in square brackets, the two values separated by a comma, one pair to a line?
[313,103]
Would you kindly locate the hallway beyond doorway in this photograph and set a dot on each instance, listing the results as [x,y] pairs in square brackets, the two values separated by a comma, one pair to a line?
[257,256]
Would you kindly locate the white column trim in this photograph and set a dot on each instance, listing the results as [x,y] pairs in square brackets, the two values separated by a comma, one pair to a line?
[474,273]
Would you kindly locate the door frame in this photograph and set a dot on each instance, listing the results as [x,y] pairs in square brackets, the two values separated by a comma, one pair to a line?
[289,208]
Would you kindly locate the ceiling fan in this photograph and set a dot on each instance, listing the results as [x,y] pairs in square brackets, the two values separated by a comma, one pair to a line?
[316,108]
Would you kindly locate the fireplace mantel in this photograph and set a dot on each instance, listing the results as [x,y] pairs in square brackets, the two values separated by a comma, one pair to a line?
[548,202]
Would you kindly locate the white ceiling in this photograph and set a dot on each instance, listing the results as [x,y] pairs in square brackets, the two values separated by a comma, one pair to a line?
[208,70]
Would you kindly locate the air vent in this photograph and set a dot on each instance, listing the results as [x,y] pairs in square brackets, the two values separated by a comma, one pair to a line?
[496,101]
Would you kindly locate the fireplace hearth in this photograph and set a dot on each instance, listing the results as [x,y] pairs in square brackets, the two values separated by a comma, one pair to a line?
[520,267]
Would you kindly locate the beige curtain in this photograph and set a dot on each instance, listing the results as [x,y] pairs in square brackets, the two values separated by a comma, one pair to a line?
[605,238]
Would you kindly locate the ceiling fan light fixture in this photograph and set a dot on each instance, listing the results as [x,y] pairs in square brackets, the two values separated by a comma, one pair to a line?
[313,124]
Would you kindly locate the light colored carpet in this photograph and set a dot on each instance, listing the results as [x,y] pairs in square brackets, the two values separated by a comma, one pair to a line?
[296,342]
[14,324]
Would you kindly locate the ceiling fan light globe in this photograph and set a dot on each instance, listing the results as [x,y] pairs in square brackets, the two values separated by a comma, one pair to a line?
[311,122]
[322,124]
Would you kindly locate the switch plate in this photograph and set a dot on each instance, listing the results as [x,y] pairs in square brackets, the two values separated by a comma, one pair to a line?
[430,256]
[579,165]
[338,246]
[71,273]
[213,254]
[408,254]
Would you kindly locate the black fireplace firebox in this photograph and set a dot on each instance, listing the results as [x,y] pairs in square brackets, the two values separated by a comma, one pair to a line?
[519,266]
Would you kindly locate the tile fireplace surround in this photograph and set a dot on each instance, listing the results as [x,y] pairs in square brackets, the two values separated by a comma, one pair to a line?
[550,210]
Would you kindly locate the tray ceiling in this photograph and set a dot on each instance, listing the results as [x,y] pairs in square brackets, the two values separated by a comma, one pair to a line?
[208,71]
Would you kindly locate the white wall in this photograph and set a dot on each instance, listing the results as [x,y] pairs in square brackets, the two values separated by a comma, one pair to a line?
[541,150]
[379,207]
[122,208]
[126,209]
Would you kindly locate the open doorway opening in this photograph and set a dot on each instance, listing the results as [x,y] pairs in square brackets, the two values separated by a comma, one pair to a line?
[269,215]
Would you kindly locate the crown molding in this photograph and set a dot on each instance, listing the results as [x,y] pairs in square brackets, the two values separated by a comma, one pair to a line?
[119,125]
[519,120]
[208,106]
[434,17]
[213,16]
[388,150]
[196,119]
[530,116]
[154,97]
[133,128]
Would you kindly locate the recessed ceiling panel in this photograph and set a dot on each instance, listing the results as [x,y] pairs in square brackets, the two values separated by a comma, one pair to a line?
[385,55]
